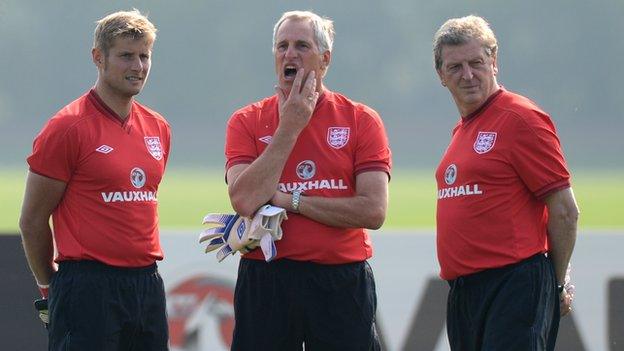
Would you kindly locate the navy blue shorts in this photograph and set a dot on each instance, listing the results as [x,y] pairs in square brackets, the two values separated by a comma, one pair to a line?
[284,304]
[511,308]
[94,306]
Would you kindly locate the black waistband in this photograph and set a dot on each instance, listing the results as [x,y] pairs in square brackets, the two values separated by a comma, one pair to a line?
[96,266]
[495,272]
[288,263]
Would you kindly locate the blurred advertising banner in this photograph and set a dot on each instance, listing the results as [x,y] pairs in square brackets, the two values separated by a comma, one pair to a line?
[411,298]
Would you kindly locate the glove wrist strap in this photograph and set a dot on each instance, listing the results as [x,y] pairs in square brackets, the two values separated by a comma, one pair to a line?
[44,290]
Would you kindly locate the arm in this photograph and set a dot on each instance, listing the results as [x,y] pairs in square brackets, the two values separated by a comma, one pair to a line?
[367,209]
[41,197]
[562,220]
[253,185]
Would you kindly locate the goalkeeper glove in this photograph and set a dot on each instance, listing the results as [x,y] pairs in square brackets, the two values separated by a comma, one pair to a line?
[231,232]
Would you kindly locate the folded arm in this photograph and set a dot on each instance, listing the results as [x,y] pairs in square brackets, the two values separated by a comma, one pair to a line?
[366,209]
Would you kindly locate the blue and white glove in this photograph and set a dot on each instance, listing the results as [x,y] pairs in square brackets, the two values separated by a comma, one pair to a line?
[231,232]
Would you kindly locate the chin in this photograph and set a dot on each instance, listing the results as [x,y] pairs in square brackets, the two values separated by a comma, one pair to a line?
[134,91]
[473,98]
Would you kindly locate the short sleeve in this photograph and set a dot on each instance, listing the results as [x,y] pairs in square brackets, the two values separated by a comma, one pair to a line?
[55,151]
[537,156]
[240,145]
[167,142]
[373,149]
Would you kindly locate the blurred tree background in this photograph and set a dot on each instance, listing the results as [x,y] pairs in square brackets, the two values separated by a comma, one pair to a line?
[212,57]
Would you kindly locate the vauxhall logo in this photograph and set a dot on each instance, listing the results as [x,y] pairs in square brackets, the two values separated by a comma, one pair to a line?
[306,170]
[137,179]
[450,176]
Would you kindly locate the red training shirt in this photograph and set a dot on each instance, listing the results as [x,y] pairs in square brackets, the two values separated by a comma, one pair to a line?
[502,161]
[112,170]
[342,140]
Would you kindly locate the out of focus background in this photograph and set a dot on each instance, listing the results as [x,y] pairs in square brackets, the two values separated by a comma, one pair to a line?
[213,57]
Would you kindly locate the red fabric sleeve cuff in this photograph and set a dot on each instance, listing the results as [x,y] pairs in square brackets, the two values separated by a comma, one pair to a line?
[372,167]
[44,292]
[47,175]
[238,160]
[552,188]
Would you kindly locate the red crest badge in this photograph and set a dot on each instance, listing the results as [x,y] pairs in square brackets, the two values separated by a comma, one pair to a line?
[485,142]
[337,137]
[154,147]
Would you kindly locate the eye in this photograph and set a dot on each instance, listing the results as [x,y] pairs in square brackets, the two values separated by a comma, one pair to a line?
[453,68]
[282,47]
[476,63]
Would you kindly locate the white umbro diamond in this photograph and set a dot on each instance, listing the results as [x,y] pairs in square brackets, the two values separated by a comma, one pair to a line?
[266,139]
[104,149]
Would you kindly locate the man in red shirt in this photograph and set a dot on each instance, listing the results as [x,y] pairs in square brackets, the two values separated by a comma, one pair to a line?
[326,160]
[506,215]
[95,169]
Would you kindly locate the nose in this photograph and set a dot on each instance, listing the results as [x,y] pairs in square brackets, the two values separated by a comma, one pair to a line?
[466,71]
[290,51]
[137,64]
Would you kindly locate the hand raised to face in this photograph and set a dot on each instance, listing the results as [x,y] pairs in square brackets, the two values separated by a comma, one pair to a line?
[296,110]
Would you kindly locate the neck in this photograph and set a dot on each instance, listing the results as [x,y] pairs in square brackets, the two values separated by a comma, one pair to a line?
[120,104]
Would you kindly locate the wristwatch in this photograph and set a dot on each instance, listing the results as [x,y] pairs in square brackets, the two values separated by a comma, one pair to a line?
[296,197]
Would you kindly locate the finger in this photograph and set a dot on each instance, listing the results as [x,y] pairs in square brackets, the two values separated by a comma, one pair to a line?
[296,88]
[315,97]
[310,84]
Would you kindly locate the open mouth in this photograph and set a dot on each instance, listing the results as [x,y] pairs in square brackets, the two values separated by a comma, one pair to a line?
[290,72]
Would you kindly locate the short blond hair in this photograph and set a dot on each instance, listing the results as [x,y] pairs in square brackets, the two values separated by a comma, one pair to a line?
[458,31]
[122,24]
[323,28]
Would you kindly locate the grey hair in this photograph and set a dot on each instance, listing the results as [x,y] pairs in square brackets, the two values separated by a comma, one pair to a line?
[458,31]
[323,28]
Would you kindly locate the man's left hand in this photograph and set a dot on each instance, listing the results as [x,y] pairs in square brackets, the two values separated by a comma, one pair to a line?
[565,301]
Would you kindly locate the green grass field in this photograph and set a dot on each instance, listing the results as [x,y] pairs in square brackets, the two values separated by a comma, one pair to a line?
[186,195]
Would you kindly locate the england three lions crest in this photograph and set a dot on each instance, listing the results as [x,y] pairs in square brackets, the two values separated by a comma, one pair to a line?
[485,142]
[154,147]
[337,137]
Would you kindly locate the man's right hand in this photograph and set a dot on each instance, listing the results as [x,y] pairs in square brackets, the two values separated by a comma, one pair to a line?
[41,306]
[296,110]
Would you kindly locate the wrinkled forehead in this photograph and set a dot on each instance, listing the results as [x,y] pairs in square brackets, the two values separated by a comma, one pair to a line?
[471,50]
[295,29]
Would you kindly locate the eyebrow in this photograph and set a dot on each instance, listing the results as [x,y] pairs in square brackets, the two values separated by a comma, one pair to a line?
[298,41]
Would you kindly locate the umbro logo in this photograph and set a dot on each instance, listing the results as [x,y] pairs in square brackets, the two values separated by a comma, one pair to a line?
[266,139]
[104,149]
